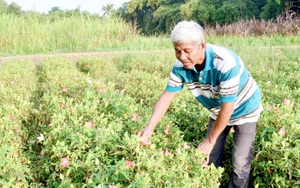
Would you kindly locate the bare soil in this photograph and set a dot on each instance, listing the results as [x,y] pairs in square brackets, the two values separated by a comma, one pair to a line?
[38,58]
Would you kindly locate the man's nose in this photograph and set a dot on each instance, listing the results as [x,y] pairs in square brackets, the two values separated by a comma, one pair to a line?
[183,56]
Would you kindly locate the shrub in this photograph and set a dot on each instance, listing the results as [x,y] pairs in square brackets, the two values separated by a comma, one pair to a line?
[18,87]
[89,138]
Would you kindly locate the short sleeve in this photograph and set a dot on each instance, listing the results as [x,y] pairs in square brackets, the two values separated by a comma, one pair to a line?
[175,81]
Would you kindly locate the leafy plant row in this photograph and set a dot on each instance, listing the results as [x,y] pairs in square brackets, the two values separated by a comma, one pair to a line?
[85,136]
[18,83]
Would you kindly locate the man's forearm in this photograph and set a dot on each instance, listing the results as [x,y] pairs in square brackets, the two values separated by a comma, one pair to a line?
[160,108]
[221,121]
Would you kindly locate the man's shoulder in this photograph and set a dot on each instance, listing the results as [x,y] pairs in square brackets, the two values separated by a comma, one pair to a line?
[223,54]
[221,51]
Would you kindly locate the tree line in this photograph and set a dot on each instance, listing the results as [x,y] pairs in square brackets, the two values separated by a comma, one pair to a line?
[53,13]
[152,17]
[159,16]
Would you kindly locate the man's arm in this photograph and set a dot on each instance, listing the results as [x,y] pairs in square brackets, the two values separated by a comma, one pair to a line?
[159,110]
[221,122]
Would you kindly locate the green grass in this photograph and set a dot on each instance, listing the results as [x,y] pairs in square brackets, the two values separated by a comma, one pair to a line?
[33,34]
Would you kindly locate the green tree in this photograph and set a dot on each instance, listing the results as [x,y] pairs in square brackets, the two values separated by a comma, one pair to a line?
[272,9]
[292,5]
[227,13]
[74,12]
[201,11]
[3,6]
[55,9]
[14,8]
[107,9]
[247,9]
[166,16]
[260,4]
[159,16]
[152,16]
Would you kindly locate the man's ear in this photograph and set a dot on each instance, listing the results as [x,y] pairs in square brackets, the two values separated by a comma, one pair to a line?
[203,45]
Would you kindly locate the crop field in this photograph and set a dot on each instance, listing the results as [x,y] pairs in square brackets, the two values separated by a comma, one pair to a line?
[67,124]
[74,123]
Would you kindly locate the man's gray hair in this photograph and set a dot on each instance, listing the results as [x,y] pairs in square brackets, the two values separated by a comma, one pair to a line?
[187,32]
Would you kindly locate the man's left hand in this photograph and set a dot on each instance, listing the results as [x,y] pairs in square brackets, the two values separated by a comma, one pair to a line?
[206,147]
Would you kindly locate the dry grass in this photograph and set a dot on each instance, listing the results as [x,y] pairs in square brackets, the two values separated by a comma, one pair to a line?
[285,24]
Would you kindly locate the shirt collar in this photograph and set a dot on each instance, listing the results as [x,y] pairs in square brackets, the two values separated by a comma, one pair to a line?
[209,58]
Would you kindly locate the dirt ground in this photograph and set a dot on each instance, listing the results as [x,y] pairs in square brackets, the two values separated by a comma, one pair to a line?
[38,58]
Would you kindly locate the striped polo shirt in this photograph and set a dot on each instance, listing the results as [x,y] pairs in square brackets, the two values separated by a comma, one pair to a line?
[223,79]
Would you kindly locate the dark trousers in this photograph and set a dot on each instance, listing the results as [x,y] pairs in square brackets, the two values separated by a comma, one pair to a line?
[241,153]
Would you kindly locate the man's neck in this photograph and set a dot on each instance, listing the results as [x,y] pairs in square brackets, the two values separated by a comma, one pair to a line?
[200,67]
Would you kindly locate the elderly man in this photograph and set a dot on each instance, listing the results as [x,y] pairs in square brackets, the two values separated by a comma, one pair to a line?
[219,80]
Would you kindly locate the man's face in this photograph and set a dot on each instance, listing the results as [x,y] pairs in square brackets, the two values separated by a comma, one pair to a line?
[190,54]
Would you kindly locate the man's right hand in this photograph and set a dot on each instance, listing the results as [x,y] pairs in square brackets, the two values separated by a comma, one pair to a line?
[145,134]
[159,111]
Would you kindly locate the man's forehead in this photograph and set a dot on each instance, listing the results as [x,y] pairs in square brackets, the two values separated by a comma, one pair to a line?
[184,46]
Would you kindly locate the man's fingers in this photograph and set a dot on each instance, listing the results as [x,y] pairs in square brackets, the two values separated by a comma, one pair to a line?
[205,163]
[144,139]
[140,133]
[145,142]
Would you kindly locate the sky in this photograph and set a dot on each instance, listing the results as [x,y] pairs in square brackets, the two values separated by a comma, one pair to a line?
[43,6]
